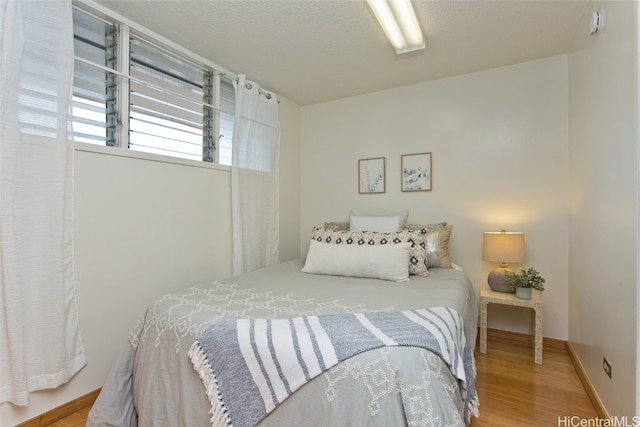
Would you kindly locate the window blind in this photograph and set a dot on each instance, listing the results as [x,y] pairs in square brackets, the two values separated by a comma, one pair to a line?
[227,107]
[132,92]
[167,104]
[94,88]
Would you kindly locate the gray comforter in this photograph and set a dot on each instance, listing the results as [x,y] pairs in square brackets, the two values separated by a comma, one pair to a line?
[154,383]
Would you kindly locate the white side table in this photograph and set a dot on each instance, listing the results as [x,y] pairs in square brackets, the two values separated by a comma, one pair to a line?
[535,303]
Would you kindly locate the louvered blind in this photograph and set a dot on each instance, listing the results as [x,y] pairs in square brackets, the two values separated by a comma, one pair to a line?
[227,106]
[167,103]
[94,80]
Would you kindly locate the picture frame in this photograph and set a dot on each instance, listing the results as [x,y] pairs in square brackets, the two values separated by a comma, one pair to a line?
[371,176]
[416,172]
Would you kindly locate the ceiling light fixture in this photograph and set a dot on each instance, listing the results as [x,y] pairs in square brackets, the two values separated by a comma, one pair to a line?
[399,22]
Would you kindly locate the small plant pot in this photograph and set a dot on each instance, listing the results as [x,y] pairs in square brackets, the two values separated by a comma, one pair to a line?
[523,293]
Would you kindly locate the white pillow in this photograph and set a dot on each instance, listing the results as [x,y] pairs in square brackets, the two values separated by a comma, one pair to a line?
[386,262]
[381,223]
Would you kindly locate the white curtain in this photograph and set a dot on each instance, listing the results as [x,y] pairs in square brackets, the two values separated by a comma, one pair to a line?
[40,344]
[254,178]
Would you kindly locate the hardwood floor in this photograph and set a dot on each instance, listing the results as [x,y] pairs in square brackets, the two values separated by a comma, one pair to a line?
[513,390]
[77,419]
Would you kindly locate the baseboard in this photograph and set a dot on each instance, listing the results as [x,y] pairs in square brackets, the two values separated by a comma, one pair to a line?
[62,411]
[591,392]
[525,340]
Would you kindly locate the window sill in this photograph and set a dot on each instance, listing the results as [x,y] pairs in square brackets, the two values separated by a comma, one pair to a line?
[124,152]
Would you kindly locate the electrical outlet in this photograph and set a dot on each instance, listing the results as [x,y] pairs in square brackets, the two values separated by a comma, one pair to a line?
[606,366]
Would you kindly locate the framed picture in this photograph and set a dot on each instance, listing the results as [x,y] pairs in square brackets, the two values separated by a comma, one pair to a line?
[416,172]
[371,175]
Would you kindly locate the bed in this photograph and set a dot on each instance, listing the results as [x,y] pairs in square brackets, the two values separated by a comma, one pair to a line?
[156,382]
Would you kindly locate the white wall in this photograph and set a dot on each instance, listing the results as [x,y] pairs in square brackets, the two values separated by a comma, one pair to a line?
[145,228]
[603,152]
[499,145]
[289,180]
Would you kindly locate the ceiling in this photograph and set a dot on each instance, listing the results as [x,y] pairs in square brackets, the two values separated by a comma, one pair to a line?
[311,51]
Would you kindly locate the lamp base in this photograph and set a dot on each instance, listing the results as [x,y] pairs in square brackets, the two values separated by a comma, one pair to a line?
[498,281]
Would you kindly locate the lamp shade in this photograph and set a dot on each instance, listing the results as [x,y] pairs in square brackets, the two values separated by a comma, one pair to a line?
[503,246]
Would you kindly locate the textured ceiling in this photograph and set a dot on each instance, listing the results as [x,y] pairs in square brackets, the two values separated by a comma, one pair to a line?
[311,51]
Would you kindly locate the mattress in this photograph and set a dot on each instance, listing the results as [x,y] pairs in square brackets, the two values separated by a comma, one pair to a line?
[154,383]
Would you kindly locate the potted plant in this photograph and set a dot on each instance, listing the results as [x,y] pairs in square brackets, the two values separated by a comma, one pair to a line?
[524,280]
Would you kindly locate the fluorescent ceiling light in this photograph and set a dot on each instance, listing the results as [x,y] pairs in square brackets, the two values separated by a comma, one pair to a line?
[399,22]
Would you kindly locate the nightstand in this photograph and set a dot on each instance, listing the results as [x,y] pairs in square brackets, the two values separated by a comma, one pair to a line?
[535,303]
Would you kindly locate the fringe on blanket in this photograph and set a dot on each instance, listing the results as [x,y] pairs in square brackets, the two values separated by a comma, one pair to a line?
[474,404]
[219,413]
[222,417]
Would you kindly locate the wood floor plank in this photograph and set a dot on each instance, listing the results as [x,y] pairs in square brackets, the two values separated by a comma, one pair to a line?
[77,419]
[513,390]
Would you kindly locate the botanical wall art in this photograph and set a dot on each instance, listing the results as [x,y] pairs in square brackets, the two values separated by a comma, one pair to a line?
[371,175]
[416,172]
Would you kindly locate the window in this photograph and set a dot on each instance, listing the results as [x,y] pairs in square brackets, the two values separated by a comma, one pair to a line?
[131,92]
[94,80]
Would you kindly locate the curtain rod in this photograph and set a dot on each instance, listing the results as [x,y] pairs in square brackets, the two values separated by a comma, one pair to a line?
[249,86]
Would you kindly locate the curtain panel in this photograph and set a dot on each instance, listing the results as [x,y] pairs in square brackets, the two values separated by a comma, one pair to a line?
[255,178]
[40,345]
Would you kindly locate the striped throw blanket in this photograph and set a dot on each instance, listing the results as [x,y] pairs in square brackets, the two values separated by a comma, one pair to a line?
[249,366]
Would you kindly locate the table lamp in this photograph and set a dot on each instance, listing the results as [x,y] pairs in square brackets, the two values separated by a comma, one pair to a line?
[503,247]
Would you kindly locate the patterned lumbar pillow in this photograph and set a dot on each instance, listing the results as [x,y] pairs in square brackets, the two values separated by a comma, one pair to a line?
[417,255]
